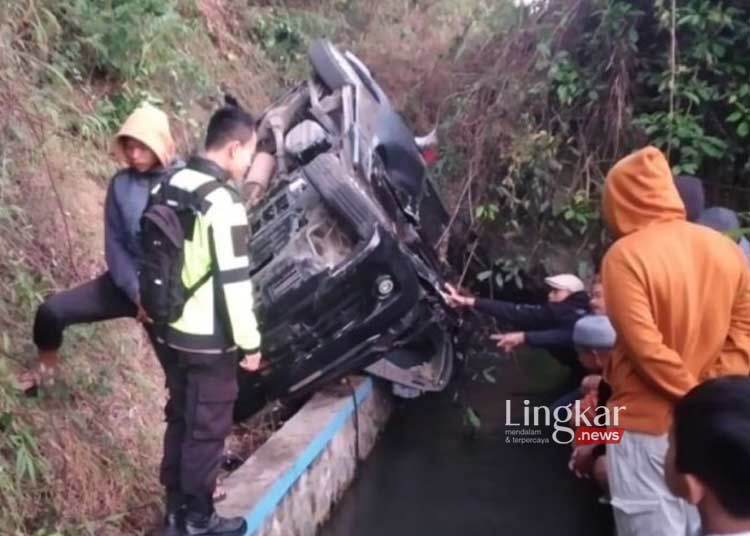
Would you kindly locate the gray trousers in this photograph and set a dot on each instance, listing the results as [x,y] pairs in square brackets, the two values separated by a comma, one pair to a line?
[642,503]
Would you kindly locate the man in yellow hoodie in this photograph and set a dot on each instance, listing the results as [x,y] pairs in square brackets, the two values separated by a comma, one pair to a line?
[677,295]
[145,148]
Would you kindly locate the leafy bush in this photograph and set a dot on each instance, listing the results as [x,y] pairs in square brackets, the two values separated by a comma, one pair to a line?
[285,34]
[126,39]
[111,112]
[541,109]
[707,131]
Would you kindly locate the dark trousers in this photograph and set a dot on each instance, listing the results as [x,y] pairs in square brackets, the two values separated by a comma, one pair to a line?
[94,301]
[202,390]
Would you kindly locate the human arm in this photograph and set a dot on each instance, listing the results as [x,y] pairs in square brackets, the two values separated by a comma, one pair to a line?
[120,262]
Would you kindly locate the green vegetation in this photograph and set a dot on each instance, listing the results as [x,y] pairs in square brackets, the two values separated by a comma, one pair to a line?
[543,98]
[127,39]
[285,35]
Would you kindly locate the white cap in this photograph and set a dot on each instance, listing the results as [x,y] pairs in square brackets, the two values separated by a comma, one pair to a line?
[568,282]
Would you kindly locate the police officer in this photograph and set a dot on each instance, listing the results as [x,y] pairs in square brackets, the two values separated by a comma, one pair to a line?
[199,351]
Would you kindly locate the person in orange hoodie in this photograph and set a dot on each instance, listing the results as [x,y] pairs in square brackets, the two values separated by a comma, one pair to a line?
[677,294]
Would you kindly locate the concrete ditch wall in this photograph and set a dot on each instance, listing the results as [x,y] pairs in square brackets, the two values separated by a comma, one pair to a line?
[290,484]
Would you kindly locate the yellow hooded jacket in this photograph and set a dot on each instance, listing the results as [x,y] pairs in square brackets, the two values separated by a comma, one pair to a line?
[128,193]
[676,293]
[150,126]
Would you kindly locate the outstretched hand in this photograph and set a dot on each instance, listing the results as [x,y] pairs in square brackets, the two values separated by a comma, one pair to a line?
[456,299]
[507,342]
[142,316]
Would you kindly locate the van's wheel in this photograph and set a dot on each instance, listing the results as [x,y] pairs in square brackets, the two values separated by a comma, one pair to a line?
[327,176]
[326,62]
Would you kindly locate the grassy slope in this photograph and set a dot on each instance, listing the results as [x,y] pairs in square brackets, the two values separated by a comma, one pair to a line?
[82,458]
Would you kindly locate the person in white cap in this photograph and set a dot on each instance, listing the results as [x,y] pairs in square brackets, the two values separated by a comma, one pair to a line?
[548,326]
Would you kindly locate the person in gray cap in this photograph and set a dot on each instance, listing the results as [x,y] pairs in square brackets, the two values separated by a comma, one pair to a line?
[725,221]
[595,339]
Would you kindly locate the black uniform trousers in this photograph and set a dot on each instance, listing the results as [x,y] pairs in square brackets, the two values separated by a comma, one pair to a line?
[202,390]
[93,301]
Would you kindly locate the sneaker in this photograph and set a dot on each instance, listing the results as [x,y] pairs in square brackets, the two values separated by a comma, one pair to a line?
[214,525]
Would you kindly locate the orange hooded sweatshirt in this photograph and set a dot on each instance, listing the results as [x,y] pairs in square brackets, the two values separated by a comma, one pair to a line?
[676,293]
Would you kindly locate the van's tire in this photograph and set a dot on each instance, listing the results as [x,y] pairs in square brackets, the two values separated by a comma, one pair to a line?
[326,65]
[327,176]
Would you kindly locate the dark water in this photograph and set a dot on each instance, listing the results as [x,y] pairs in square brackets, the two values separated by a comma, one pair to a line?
[425,477]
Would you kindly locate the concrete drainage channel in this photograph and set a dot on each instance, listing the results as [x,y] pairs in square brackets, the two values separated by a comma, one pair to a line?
[290,484]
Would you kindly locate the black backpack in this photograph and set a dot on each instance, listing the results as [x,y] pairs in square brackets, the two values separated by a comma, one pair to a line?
[167,220]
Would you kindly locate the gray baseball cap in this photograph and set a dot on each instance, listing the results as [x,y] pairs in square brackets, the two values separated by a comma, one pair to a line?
[594,331]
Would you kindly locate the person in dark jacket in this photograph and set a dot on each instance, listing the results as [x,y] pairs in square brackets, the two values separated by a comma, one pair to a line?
[548,326]
[144,145]
[708,459]
[693,195]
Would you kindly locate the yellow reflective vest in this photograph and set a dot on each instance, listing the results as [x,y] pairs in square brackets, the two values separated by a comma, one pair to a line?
[218,317]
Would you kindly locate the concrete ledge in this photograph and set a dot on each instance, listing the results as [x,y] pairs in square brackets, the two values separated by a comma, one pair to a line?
[290,484]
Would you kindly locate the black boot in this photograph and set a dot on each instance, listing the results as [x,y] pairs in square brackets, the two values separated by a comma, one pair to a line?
[213,525]
[173,523]
[174,519]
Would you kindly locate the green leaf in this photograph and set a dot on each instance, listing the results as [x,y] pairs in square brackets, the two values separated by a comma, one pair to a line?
[711,151]
[716,142]
[484,276]
[691,168]
[692,97]
[472,418]
[487,373]
[633,34]
[499,281]
[743,130]
[544,49]
[6,419]
[736,116]
[737,233]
